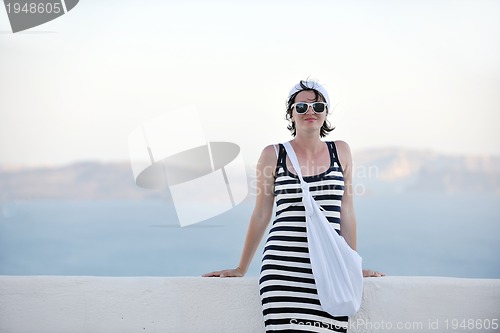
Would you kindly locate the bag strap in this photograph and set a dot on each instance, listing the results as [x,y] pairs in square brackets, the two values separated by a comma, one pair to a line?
[307,198]
[293,158]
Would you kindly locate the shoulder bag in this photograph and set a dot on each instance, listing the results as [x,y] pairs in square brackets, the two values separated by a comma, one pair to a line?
[336,267]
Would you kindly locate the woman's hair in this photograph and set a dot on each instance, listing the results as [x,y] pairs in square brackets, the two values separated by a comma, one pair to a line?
[325,128]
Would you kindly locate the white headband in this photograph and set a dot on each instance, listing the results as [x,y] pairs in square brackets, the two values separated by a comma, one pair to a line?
[310,85]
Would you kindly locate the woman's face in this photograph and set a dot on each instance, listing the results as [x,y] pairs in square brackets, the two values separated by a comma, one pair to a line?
[309,121]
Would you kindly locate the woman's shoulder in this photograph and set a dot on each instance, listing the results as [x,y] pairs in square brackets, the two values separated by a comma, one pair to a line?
[270,153]
[271,149]
[343,152]
[342,147]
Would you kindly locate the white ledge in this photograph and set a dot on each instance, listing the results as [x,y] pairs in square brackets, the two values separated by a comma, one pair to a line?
[56,304]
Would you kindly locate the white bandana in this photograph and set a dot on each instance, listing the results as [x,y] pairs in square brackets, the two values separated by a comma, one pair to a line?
[312,85]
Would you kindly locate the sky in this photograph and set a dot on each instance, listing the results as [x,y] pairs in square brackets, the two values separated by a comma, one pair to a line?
[410,74]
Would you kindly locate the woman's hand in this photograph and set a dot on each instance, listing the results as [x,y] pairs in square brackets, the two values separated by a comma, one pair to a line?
[370,273]
[236,272]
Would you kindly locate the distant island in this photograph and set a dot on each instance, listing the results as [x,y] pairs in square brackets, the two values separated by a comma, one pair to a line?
[376,171]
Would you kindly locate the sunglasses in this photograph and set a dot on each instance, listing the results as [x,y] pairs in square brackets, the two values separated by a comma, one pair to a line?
[302,107]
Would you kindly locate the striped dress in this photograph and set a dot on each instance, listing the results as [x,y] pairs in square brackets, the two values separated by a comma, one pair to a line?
[288,293]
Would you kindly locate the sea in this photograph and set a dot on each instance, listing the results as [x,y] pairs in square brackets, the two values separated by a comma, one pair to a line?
[415,234]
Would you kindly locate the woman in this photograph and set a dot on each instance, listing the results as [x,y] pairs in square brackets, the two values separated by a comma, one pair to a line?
[288,292]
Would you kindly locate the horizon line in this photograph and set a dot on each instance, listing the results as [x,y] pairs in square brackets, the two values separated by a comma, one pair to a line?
[97,160]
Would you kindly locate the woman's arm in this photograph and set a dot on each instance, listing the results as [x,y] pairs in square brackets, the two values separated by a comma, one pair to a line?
[347,216]
[261,214]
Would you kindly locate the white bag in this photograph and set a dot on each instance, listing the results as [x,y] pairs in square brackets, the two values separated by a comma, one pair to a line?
[336,268]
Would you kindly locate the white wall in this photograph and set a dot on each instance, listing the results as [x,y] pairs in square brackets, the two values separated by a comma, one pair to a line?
[56,304]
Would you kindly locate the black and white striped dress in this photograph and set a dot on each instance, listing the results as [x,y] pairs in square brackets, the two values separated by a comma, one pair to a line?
[289,298]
